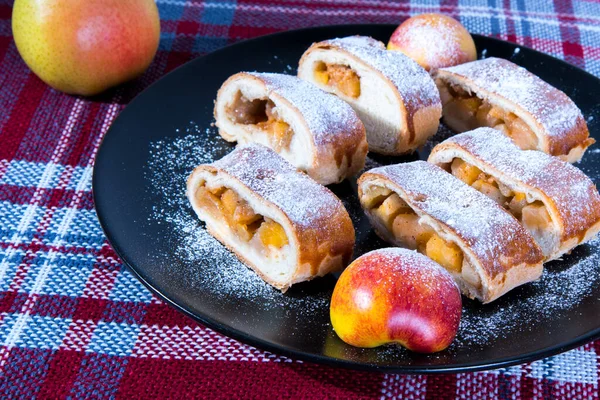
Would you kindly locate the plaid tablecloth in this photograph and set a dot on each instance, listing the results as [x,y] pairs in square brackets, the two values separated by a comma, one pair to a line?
[75,323]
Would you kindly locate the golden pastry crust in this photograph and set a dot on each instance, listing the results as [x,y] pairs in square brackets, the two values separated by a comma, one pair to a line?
[501,250]
[570,196]
[335,134]
[318,226]
[553,117]
[412,86]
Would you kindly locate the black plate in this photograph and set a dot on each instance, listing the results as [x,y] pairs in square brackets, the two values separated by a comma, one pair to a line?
[138,185]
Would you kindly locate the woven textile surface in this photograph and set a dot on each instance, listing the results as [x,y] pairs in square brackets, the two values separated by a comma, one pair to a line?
[75,323]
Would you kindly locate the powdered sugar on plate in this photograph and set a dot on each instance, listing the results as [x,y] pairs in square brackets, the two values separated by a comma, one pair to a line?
[202,265]
[564,284]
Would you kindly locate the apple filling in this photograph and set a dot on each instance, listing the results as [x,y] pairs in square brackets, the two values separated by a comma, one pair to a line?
[464,111]
[249,226]
[533,215]
[339,76]
[262,114]
[403,223]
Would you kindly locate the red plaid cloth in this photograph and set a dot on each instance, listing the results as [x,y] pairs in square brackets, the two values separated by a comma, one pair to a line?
[75,323]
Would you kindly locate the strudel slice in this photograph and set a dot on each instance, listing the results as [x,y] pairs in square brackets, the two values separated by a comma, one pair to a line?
[499,94]
[555,201]
[315,131]
[394,97]
[419,206]
[277,220]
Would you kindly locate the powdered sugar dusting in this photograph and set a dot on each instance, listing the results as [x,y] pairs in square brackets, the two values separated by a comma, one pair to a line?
[358,40]
[327,116]
[202,265]
[413,83]
[304,201]
[551,108]
[571,191]
[417,268]
[488,230]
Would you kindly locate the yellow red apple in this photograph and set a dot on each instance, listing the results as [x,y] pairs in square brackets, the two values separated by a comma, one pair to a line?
[396,295]
[86,46]
[434,41]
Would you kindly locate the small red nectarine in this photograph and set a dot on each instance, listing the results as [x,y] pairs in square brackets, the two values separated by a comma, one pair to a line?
[434,41]
[396,295]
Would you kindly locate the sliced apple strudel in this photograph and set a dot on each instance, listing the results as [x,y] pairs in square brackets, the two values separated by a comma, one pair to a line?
[499,94]
[395,98]
[277,220]
[555,201]
[420,206]
[315,131]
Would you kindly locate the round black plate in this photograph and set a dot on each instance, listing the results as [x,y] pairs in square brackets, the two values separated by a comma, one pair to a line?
[139,179]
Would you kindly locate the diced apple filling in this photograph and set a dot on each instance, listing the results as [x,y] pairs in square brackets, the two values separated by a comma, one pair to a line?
[338,76]
[397,216]
[224,203]
[467,111]
[534,216]
[261,113]
[447,254]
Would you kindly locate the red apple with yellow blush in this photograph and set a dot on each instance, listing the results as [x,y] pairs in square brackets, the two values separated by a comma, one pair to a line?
[434,41]
[399,296]
[86,46]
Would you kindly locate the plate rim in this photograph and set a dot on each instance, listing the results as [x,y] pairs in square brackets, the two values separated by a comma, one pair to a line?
[311,357]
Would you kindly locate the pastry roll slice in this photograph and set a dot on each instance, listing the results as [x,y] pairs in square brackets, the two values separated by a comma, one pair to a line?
[278,221]
[315,131]
[555,201]
[499,94]
[420,206]
[394,97]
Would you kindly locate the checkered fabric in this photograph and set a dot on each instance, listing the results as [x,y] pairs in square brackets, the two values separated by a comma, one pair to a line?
[75,323]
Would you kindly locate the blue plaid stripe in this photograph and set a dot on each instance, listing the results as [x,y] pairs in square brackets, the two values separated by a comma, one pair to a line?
[43,332]
[218,12]
[68,275]
[128,289]
[75,228]
[114,338]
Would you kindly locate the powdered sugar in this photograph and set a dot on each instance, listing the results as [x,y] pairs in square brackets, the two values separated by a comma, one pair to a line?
[439,42]
[563,285]
[204,262]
